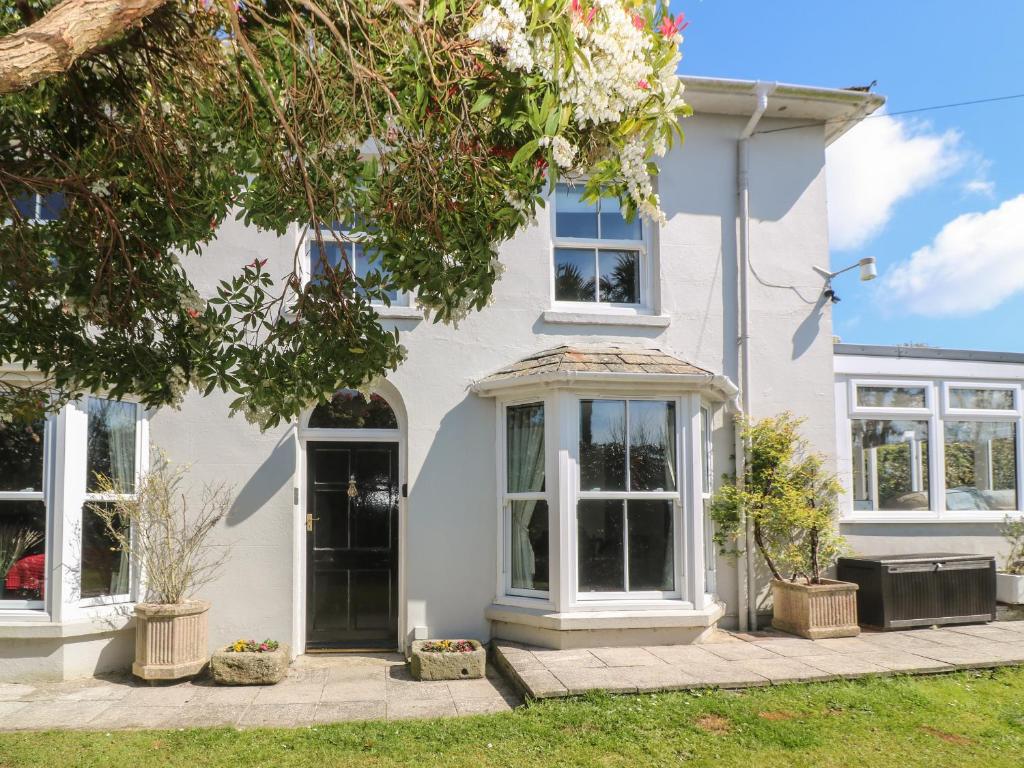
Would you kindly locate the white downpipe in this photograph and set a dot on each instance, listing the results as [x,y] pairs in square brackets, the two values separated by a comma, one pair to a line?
[746,580]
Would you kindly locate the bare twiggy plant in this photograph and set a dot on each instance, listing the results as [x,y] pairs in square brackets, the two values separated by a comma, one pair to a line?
[163,534]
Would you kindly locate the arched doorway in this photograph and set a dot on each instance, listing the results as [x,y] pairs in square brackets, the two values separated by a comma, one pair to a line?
[352,520]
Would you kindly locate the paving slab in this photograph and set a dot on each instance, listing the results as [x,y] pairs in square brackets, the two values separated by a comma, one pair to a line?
[845,665]
[582,679]
[341,712]
[406,710]
[627,657]
[689,656]
[121,716]
[276,716]
[785,670]
[902,661]
[739,651]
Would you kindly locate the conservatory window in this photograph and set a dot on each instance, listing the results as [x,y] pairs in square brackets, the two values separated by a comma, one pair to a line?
[525,506]
[981,465]
[22,514]
[599,257]
[891,397]
[111,447]
[890,464]
[343,248]
[628,487]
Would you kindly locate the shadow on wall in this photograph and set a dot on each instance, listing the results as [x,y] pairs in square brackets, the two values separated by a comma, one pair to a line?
[808,330]
[276,472]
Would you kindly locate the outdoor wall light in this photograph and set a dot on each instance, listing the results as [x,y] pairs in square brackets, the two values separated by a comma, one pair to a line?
[868,271]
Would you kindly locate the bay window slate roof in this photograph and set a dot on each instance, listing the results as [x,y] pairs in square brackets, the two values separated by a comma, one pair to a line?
[598,359]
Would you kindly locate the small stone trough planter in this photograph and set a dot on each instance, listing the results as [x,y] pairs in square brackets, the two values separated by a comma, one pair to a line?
[816,611]
[447,660]
[250,667]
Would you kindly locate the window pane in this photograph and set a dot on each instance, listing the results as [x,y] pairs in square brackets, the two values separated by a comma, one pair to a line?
[525,448]
[891,397]
[574,274]
[890,464]
[104,565]
[25,204]
[603,445]
[573,217]
[613,224]
[348,409]
[529,545]
[22,550]
[652,445]
[601,563]
[620,277]
[981,465]
[51,205]
[367,262]
[329,254]
[111,444]
[989,399]
[651,566]
[21,455]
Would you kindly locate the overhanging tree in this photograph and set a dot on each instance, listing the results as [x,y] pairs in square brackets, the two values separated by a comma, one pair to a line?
[440,122]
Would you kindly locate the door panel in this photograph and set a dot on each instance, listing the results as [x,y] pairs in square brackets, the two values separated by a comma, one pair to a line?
[352,551]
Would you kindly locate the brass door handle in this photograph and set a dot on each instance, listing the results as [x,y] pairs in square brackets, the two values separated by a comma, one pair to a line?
[309,522]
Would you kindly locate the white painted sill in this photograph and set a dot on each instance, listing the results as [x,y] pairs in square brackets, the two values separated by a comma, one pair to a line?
[635,319]
[606,619]
[43,629]
[931,518]
[398,313]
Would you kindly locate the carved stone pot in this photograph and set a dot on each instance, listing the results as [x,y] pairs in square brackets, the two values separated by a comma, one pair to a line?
[170,640]
[816,611]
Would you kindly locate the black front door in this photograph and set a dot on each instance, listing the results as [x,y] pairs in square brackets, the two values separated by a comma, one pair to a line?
[352,546]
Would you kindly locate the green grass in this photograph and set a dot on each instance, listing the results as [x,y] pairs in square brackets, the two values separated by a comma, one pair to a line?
[964,719]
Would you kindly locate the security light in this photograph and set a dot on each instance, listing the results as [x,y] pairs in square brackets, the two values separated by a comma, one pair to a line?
[868,271]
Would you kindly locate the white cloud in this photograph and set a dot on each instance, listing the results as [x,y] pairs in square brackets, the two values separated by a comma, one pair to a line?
[975,263]
[981,187]
[878,163]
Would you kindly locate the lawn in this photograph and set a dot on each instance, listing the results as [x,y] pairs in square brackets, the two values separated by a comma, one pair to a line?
[960,720]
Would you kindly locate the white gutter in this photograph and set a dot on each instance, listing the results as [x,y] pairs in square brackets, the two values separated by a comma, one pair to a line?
[746,581]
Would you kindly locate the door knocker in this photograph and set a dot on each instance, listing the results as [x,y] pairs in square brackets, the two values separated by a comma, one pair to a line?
[353,492]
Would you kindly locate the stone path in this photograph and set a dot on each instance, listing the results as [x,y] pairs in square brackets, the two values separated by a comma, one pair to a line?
[733,660]
[318,690]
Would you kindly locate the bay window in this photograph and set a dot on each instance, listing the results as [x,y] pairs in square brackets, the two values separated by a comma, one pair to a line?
[525,508]
[50,473]
[627,489]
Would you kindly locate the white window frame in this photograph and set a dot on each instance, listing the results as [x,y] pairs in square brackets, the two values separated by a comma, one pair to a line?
[403,303]
[644,303]
[936,414]
[707,490]
[627,495]
[7,606]
[505,507]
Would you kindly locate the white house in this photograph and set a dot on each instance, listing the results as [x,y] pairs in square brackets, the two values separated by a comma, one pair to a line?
[539,473]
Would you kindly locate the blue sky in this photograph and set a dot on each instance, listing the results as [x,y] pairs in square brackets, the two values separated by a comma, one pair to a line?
[904,185]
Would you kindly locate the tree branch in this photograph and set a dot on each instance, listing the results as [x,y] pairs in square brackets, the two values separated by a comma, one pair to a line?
[71,30]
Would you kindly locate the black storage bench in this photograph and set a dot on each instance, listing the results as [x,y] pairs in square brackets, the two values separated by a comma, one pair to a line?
[900,591]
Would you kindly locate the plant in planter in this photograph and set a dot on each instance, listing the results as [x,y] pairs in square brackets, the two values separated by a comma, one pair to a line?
[447,659]
[164,536]
[789,502]
[1010,581]
[246,662]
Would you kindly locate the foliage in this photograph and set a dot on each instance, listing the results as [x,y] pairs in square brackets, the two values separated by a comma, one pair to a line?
[415,118]
[1013,532]
[788,497]
[160,532]
[15,541]
[251,646]
[966,719]
[449,646]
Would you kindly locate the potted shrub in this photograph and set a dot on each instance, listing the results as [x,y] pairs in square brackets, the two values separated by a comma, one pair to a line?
[164,537]
[788,502]
[1010,582]
[447,659]
[246,662]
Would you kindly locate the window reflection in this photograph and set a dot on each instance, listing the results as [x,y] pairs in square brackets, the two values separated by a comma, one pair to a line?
[981,465]
[890,464]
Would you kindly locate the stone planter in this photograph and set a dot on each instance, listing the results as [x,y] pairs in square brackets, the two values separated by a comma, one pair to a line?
[170,640]
[447,665]
[816,611]
[1010,588]
[249,667]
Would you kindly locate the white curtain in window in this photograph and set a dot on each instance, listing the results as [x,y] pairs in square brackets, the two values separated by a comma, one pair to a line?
[120,419]
[525,473]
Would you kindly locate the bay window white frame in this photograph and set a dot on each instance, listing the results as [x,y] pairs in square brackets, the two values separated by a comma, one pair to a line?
[645,284]
[562,492]
[936,414]
[65,468]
